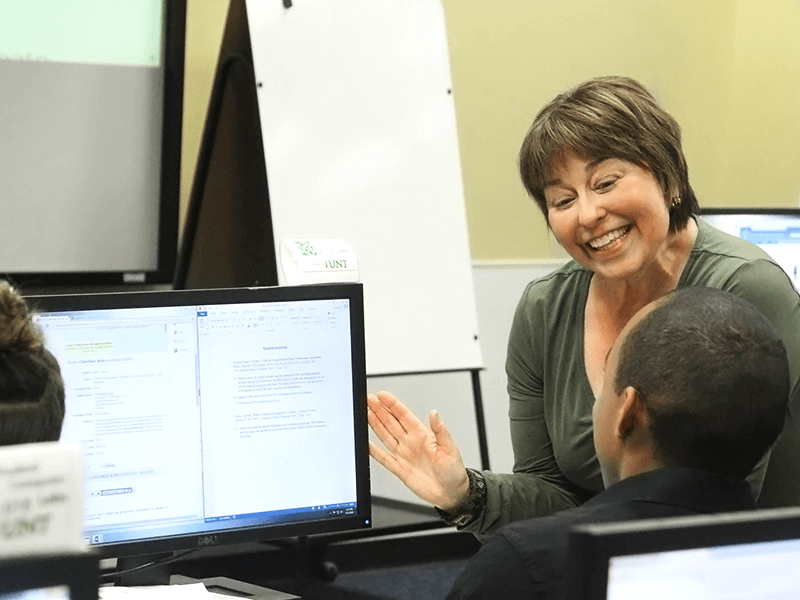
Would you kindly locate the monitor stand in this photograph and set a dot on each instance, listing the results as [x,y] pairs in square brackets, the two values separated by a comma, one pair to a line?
[232,587]
[157,574]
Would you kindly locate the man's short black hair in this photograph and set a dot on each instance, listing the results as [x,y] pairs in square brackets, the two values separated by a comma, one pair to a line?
[713,376]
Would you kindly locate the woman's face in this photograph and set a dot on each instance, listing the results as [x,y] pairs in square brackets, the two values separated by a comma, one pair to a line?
[610,215]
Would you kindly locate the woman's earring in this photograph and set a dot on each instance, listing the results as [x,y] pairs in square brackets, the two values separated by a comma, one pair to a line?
[676,202]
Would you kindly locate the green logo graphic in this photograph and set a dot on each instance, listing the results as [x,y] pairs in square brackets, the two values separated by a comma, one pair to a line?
[306,248]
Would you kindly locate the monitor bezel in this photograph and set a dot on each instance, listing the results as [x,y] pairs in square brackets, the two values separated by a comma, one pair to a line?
[353,292]
[592,546]
[735,210]
[169,183]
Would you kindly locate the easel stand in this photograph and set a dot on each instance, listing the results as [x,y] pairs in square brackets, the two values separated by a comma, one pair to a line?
[227,238]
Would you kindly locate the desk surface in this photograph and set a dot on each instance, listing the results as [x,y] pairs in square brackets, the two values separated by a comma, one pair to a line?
[394,516]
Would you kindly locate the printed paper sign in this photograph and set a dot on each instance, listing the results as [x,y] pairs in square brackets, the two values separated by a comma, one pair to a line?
[41,498]
[318,261]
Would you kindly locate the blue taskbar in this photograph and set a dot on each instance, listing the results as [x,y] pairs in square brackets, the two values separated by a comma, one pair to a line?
[789,235]
[200,526]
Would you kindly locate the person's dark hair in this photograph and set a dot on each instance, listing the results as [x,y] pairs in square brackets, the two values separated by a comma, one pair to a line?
[31,388]
[713,376]
[609,117]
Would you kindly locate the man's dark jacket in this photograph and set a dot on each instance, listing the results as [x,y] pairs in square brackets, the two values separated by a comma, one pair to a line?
[527,560]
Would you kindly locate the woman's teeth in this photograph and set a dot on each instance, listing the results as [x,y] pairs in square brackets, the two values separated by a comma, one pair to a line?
[603,241]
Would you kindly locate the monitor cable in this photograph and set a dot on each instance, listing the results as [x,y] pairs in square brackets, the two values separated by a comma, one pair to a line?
[113,576]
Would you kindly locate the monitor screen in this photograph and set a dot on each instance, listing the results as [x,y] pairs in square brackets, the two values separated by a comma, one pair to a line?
[214,416]
[774,230]
[748,556]
[755,571]
[91,110]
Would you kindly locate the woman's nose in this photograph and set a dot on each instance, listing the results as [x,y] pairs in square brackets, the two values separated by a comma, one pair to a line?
[590,210]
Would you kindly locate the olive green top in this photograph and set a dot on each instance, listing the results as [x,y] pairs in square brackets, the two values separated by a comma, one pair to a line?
[555,464]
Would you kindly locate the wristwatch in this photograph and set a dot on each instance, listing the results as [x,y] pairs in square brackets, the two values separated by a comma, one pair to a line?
[472,507]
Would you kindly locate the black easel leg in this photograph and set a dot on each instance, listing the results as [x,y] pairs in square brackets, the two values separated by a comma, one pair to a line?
[478,398]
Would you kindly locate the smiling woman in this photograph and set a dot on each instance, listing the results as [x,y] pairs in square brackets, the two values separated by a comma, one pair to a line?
[604,163]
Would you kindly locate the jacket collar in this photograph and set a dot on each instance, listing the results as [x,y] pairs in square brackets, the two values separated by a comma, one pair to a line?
[680,486]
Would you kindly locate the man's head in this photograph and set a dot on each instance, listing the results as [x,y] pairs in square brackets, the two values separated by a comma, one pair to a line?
[697,379]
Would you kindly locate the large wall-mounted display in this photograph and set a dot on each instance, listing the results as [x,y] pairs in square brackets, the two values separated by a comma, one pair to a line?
[90,114]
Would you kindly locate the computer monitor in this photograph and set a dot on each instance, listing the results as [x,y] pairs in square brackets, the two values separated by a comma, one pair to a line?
[211,417]
[91,107]
[774,230]
[747,555]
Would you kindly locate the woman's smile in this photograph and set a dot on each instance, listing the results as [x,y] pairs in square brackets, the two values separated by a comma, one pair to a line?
[609,240]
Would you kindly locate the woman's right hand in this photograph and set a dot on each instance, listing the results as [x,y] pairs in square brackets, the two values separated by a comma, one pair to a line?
[425,459]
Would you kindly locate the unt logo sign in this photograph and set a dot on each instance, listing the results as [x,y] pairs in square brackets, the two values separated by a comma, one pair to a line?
[318,261]
[336,264]
[41,498]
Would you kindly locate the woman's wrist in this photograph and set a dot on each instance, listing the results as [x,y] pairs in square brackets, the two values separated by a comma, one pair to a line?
[472,507]
[457,497]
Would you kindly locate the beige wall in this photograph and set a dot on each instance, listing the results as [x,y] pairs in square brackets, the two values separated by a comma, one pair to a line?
[726,69]
[205,22]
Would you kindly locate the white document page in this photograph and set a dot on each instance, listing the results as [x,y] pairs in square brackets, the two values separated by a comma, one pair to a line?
[132,389]
[277,406]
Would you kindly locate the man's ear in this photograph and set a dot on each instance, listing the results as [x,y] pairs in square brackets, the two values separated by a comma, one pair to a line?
[631,413]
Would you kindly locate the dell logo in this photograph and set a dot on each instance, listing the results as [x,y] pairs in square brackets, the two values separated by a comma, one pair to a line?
[207,540]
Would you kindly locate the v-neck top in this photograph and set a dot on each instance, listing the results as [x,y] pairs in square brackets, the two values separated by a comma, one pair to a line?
[555,465]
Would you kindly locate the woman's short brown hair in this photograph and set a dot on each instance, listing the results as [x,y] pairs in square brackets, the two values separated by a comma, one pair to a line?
[609,117]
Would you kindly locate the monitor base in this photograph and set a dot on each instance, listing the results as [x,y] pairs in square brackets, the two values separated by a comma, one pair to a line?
[156,574]
[234,588]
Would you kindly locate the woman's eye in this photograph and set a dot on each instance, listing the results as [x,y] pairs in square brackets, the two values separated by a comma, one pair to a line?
[559,202]
[606,183]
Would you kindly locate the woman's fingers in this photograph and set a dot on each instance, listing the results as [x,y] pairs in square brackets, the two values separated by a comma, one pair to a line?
[443,437]
[380,430]
[407,419]
[384,458]
[386,417]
